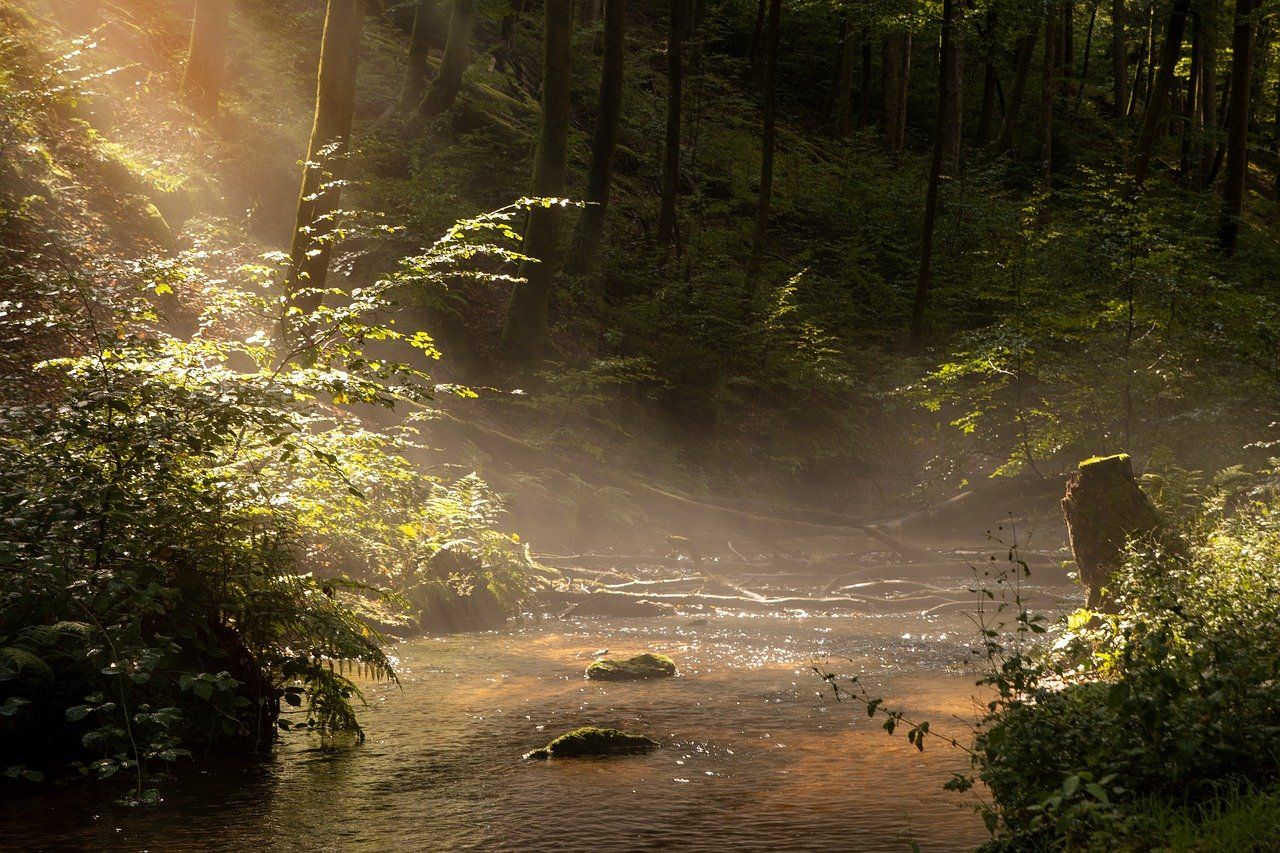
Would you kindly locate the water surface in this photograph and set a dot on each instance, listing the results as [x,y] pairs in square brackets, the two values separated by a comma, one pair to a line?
[756,754]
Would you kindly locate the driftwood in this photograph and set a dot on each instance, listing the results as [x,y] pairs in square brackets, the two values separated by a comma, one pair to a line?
[1105,510]
[606,602]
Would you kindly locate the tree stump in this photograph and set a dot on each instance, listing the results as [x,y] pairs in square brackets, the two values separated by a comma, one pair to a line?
[1104,509]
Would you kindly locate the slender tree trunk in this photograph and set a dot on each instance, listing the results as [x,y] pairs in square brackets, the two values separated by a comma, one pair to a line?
[586,13]
[525,333]
[1088,47]
[945,81]
[506,53]
[1191,107]
[844,80]
[590,227]
[1261,65]
[864,88]
[1119,59]
[415,74]
[904,87]
[1026,51]
[1208,95]
[671,152]
[207,57]
[1046,97]
[890,86]
[1275,149]
[766,143]
[757,32]
[1135,91]
[1151,49]
[1068,58]
[987,113]
[952,61]
[327,152]
[1237,125]
[990,81]
[1170,53]
[457,52]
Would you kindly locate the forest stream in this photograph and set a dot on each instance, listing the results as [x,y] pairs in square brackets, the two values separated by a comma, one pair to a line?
[756,754]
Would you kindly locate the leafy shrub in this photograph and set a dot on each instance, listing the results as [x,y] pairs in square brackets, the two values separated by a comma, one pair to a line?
[1173,697]
[172,510]
[1144,721]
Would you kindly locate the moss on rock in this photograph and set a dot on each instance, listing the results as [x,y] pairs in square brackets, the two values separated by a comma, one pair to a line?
[638,668]
[591,741]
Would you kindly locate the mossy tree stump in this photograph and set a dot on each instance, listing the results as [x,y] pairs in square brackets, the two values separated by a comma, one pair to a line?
[1105,509]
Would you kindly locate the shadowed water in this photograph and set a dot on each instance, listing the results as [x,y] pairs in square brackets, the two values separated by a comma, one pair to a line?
[756,754]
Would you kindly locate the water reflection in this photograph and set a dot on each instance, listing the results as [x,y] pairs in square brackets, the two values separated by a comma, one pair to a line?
[756,755]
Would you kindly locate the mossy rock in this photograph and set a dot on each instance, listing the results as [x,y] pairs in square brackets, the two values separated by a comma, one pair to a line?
[591,742]
[638,668]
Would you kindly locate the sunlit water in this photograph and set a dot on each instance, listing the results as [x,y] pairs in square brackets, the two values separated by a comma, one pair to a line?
[756,754]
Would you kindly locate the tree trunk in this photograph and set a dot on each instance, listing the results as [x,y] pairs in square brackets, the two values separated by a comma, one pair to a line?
[457,49]
[1088,47]
[990,81]
[1135,90]
[1151,49]
[1237,125]
[940,153]
[757,32]
[1119,59]
[586,235]
[505,57]
[586,13]
[415,74]
[327,152]
[844,80]
[207,56]
[766,143]
[1105,510]
[952,60]
[525,332]
[904,88]
[1170,53]
[890,86]
[1275,150]
[1046,98]
[1261,65]
[1208,95]
[671,153]
[1068,58]
[1191,105]
[864,89]
[1026,51]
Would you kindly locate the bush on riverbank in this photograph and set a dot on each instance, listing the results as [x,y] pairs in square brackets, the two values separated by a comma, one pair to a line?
[198,529]
[1153,727]
[1172,700]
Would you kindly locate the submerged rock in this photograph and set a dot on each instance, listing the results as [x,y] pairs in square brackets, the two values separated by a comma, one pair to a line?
[637,668]
[590,741]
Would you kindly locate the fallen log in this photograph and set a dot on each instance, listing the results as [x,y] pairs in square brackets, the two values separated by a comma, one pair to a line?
[603,602]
